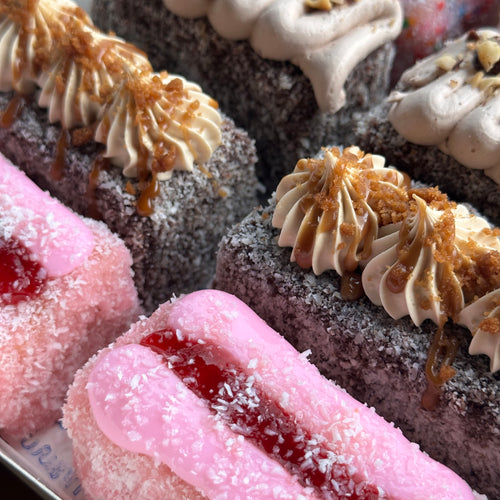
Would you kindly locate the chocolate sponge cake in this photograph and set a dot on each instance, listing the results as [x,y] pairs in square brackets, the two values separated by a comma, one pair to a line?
[288,72]
[85,116]
[413,366]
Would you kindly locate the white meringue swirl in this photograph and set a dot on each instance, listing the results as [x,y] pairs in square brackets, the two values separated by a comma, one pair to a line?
[325,44]
[445,101]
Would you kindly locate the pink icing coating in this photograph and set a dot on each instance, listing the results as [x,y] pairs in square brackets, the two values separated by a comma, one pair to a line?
[58,239]
[133,396]
[45,340]
[180,429]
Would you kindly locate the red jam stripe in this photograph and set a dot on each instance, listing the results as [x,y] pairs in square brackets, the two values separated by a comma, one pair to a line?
[209,372]
[21,276]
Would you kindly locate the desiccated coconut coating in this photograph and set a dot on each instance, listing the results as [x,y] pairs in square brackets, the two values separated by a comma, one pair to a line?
[376,359]
[78,106]
[173,249]
[46,338]
[143,400]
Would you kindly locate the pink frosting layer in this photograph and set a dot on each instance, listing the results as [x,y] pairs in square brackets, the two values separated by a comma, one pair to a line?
[142,406]
[58,239]
[44,340]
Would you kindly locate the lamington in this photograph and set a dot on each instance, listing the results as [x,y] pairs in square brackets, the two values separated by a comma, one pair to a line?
[440,124]
[291,72]
[204,400]
[66,291]
[383,285]
[150,154]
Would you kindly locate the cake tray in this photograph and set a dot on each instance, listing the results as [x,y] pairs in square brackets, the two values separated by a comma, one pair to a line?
[44,462]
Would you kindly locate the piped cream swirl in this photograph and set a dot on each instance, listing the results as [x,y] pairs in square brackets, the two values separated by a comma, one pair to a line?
[135,126]
[419,254]
[323,209]
[325,44]
[88,79]
[482,318]
[414,274]
[451,100]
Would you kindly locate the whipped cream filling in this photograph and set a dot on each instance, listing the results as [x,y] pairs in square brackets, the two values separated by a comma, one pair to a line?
[86,78]
[325,44]
[450,101]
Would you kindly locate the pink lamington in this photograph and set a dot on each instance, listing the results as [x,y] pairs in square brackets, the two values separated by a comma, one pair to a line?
[66,290]
[252,418]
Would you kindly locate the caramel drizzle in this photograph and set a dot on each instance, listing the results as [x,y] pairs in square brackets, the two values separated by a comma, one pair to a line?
[13,111]
[98,166]
[438,370]
[304,245]
[148,194]
[75,36]
[145,202]
[351,288]
[443,349]
[57,168]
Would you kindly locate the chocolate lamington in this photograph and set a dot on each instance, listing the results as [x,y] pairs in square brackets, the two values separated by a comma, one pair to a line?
[87,118]
[290,73]
[441,123]
[373,240]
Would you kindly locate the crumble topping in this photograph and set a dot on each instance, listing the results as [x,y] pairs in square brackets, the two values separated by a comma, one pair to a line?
[324,208]
[419,254]
[150,123]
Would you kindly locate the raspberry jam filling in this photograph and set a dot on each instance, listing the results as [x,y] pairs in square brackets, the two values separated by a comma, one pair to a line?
[209,372]
[21,276]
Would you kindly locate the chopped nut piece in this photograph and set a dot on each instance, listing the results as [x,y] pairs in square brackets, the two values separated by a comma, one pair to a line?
[446,62]
[323,4]
[488,53]
[476,79]
[489,84]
